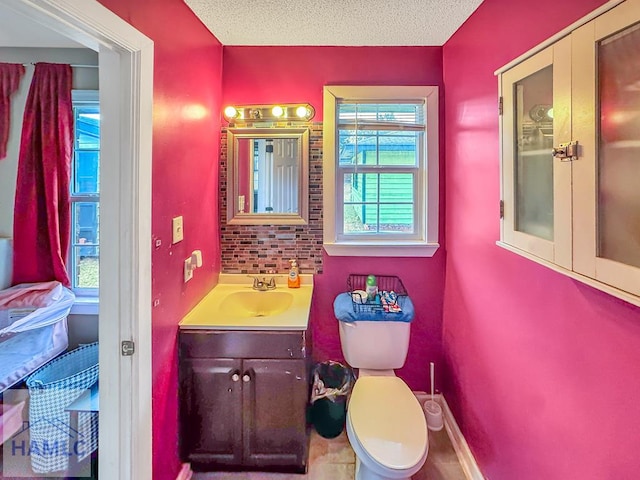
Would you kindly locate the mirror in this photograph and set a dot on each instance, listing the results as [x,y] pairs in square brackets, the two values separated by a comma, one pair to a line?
[268,176]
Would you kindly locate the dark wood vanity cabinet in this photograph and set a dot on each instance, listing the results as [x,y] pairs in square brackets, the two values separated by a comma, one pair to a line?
[243,400]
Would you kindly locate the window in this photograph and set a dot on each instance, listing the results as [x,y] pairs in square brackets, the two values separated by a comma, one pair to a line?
[85,194]
[380,171]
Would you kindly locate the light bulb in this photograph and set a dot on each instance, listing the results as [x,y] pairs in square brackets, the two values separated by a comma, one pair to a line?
[302,112]
[230,112]
[277,111]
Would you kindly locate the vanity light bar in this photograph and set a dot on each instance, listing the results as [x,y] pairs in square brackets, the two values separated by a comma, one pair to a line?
[282,111]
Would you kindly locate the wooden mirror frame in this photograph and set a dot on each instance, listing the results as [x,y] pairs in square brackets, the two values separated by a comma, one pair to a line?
[234,216]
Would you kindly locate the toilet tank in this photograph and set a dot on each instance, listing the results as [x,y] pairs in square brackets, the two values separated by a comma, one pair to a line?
[6,261]
[375,345]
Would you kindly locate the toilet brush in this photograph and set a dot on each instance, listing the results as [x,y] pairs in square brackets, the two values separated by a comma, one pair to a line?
[432,374]
[432,409]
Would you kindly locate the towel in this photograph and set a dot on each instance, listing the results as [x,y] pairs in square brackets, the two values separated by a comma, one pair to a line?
[40,294]
[344,311]
[33,305]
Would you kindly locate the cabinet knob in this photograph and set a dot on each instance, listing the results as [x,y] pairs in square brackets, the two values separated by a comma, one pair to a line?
[246,378]
[235,377]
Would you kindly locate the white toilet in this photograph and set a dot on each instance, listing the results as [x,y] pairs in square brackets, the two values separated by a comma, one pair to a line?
[385,422]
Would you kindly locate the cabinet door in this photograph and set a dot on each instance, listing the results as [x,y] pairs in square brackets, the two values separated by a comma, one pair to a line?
[606,89]
[211,402]
[275,396]
[536,188]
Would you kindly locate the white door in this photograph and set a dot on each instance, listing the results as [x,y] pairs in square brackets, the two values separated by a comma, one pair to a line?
[285,175]
[264,161]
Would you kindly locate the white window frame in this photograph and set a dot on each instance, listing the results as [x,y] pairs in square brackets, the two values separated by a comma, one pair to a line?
[87,299]
[424,243]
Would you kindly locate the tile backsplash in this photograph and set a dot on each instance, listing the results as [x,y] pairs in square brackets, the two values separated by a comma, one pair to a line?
[261,248]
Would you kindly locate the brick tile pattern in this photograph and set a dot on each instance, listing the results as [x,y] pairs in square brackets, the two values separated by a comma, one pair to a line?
[263,248]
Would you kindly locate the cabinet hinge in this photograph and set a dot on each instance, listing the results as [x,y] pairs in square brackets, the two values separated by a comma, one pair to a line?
[500,107]
[501,208]
[127,348]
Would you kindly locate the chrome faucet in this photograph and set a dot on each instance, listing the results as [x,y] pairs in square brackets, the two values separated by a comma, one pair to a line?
[262,285]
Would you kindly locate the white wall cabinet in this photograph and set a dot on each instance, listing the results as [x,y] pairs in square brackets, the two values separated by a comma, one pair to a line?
[570,137]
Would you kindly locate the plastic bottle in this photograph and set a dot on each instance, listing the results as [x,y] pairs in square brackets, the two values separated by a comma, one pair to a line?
[372,288]
[293,280]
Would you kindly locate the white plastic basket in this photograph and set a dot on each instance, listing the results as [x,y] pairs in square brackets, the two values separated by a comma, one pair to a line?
[51,389]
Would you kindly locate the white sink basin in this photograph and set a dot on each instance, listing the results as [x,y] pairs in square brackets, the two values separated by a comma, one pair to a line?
[234,305]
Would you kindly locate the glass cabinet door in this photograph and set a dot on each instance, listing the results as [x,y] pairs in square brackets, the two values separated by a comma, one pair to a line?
[536,117]
[619,147]
[609,250]
[570,160]
[533,163]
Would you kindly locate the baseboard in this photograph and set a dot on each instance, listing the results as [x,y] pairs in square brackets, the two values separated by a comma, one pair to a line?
[185,472]
[466,458]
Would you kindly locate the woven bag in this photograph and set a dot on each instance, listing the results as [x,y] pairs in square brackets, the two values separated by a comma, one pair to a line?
[51,389]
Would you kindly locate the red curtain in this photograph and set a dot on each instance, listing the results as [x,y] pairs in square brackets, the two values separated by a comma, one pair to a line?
[10,75]
[41,224]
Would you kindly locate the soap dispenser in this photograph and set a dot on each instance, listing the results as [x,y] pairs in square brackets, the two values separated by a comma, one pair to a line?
[293,280]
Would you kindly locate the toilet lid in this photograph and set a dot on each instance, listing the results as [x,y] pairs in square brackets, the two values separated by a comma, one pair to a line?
[388,421]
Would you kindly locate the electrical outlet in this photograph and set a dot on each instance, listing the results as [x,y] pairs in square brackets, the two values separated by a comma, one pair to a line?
[178,232]
[188,270]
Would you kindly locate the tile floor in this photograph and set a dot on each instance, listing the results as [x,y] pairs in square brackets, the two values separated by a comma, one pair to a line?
[334,460]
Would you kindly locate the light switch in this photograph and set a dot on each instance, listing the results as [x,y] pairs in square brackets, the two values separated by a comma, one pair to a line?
[178,232]
[188,270]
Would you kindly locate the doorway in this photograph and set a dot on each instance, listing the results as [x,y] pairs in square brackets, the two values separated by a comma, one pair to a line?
[126,97]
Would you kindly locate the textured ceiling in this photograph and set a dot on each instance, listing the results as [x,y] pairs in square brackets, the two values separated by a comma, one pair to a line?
[333,22]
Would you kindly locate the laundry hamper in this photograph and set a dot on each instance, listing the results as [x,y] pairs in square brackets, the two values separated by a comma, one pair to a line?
[51,389]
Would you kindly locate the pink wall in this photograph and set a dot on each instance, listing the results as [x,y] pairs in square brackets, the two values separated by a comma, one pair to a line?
[297,74]
[186,126]
[542,370]
[254,75]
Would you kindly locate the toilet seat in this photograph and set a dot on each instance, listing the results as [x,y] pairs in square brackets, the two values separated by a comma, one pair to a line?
[388,422]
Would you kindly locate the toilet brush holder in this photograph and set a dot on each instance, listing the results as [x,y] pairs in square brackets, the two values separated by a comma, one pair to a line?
[433,413]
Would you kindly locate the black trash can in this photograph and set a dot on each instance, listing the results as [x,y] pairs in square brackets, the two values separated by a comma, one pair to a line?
[332,383]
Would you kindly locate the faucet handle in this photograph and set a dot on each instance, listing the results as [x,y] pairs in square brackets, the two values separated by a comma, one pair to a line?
[264,282]
[260,282]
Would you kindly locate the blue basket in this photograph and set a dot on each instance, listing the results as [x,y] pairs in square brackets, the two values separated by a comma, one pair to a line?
[51,389]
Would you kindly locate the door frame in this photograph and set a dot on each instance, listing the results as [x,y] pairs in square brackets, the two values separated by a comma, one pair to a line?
[126,98]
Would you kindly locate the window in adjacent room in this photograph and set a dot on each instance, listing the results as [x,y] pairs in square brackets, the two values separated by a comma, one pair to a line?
[85,194]
[381,171]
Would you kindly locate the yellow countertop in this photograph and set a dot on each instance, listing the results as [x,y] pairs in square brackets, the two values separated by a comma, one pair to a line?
[234,305]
